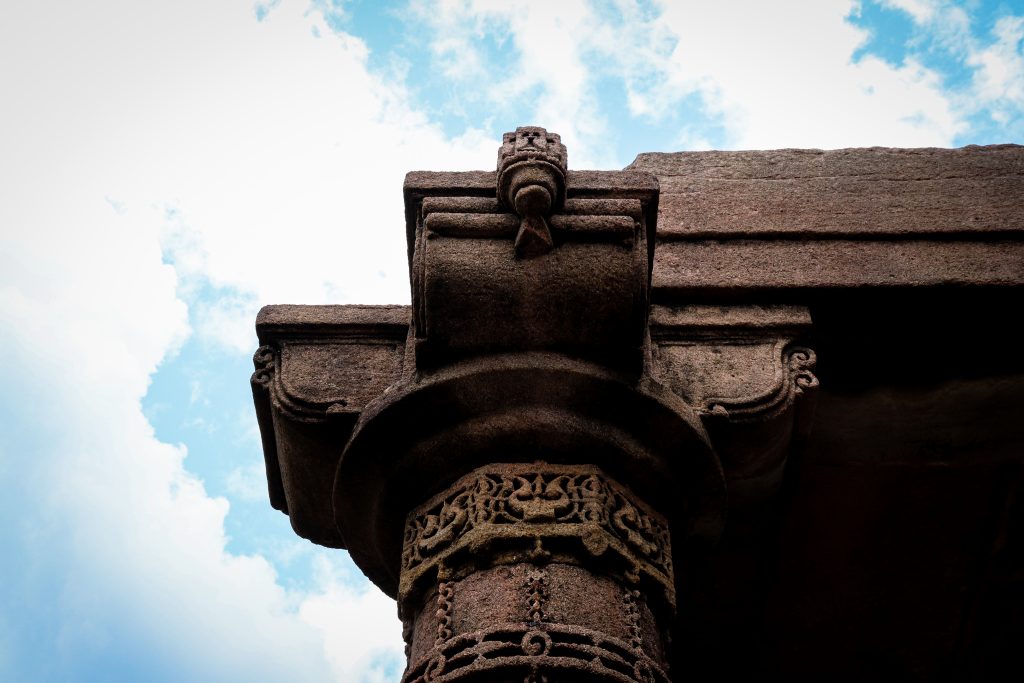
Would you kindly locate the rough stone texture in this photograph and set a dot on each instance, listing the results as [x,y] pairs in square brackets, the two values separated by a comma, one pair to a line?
[476,291]
[872,193]
[519,554]
[317,366]
[537,456]
[832,357]
[737,224]
[733,269]
[750,378]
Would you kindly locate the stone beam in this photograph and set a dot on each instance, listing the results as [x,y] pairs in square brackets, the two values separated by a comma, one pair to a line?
[733,225]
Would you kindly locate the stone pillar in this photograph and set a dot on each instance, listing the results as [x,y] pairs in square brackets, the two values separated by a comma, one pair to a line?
[536,572]
[523,457]
[524,481]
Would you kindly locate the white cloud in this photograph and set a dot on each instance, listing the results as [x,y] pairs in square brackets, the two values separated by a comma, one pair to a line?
[777,74]
[997,82]
[999,79]
[268,164]
[921,10]
[354,621]
[278,158]
[944,20]
[783,76]
[546,60]
[88,310]
[248,482]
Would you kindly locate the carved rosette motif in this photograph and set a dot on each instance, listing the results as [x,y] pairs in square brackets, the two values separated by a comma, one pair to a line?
[572,555]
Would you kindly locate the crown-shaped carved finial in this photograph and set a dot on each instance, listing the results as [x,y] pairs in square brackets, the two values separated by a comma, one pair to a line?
[531,182]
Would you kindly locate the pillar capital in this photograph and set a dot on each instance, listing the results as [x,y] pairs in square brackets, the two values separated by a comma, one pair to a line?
[525,456]
[531,257]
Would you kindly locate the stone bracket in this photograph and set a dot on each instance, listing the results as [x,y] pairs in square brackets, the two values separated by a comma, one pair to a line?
[744,369]
[750,376]
[316,367]
[492,274]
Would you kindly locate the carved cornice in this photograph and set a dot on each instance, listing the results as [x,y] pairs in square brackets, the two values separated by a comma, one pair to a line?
[548,513]
[262,377]
[317,362]
[263,360]
[746,360]
[284,374]
[316,368]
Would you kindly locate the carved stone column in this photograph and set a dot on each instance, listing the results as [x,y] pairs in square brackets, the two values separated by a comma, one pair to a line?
[529,470]
[536,572]
[534,468]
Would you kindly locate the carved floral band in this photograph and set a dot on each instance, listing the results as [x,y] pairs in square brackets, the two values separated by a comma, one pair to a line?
[536,512]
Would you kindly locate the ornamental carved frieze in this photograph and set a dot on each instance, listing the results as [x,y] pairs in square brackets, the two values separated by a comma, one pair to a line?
[543,513]
[536,572]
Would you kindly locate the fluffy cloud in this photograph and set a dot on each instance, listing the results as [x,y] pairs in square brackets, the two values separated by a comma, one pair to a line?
[273,159]
[778,74]
[996,64]
[153,150]
[128,544]
[1001,65]
[546,59]
[785,77]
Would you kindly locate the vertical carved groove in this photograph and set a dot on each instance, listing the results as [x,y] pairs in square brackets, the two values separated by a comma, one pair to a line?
[536,602]
[630,601]
[445,593]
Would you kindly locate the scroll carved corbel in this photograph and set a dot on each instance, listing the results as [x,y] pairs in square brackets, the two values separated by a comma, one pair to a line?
[750,378]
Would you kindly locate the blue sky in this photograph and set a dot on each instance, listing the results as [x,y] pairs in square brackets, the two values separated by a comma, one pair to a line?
[169,167]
